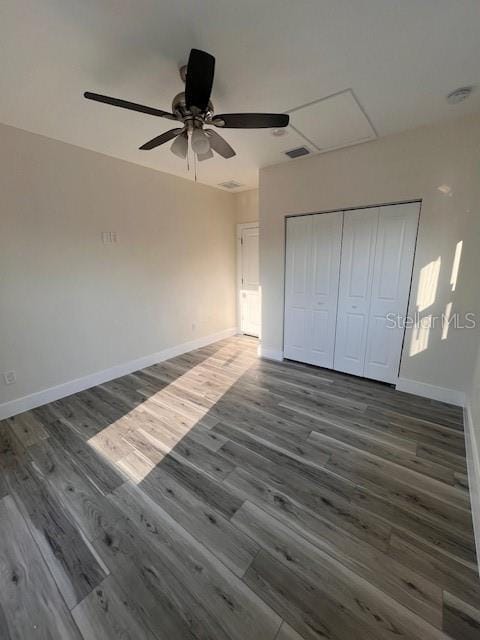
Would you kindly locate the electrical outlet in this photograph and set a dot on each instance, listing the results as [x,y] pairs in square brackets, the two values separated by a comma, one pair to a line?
[10,377]
[109,237]
[194,326]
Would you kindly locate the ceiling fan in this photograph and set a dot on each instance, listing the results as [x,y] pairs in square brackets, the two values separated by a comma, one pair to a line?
[193,110]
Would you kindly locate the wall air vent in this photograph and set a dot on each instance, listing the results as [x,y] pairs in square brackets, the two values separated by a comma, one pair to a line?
[298,152]
[230,184]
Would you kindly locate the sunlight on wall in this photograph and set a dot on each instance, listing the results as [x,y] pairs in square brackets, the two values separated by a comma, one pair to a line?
[427,293]
[456,264]
[420,336]
[428,283]
[426,296]
[446,320]
[139,440]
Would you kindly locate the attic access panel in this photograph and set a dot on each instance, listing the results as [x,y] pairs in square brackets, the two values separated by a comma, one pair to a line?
[333,122]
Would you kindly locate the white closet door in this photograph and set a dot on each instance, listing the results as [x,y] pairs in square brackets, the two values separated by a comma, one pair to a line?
[397,229]
[325,270]
[358,251]
[311,287]
[297,288]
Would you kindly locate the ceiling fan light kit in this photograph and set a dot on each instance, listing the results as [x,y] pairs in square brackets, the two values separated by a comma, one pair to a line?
[180,145]
[194,110]
[200,141]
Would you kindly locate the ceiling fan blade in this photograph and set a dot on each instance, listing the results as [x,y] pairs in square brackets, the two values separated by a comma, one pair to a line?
[124,104]
[199,79]
[161,139]
[251,120]
[205,156]
[220,145]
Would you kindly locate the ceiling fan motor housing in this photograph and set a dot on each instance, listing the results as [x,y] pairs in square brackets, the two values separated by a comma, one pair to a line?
[179,108]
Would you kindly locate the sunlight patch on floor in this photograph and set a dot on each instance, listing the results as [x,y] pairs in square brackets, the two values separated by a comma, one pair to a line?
[139,440]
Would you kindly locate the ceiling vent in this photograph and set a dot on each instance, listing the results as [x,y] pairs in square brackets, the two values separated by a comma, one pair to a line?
[230,184]
[298,152]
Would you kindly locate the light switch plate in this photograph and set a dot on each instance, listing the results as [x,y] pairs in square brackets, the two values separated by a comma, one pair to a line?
[109,237]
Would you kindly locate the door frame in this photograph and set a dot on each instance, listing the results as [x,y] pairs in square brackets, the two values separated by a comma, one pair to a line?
[240,227]
[418,201]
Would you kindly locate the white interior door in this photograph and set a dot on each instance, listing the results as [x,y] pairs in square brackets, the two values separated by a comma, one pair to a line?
[357,260]
[397,229]
[250,290]
[311,287]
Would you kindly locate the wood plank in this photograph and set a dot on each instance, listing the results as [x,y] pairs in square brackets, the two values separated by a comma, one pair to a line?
[287,633]
[400,582]
[279,450]
[356,596]
[370,465]
[8,459]
[352,432]
[439,455]
[409,492]
[76,495]
[206,523]
[69,558]
[108,613]
[158,594]
[29,600]
[385,458]
[94,466]
[27,428]
[447,541]
[306,607]
[460,620]
[445,570]
[158,443]
[221,593]
[329,512]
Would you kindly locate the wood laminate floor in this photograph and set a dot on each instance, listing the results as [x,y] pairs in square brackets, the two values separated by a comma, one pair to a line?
[218,496]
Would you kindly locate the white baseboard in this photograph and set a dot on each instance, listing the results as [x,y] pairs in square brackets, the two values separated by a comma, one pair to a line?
[33,400]
[472,445]
[451,396]
[269,354]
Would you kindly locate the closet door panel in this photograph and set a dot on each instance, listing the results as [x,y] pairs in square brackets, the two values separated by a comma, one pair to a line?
[326,246]
[297,330]
[397,228]
[357,259]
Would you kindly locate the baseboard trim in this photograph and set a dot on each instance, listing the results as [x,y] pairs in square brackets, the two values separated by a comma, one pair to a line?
[269,354]
[451,396]
[472,446]
[25,403]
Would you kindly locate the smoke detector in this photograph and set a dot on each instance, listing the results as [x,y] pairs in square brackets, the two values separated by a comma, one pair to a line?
[459,95]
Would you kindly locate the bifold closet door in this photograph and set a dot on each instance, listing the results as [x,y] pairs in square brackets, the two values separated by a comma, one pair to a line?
[297,288]
[311,287]
[392,270]
[357,260]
